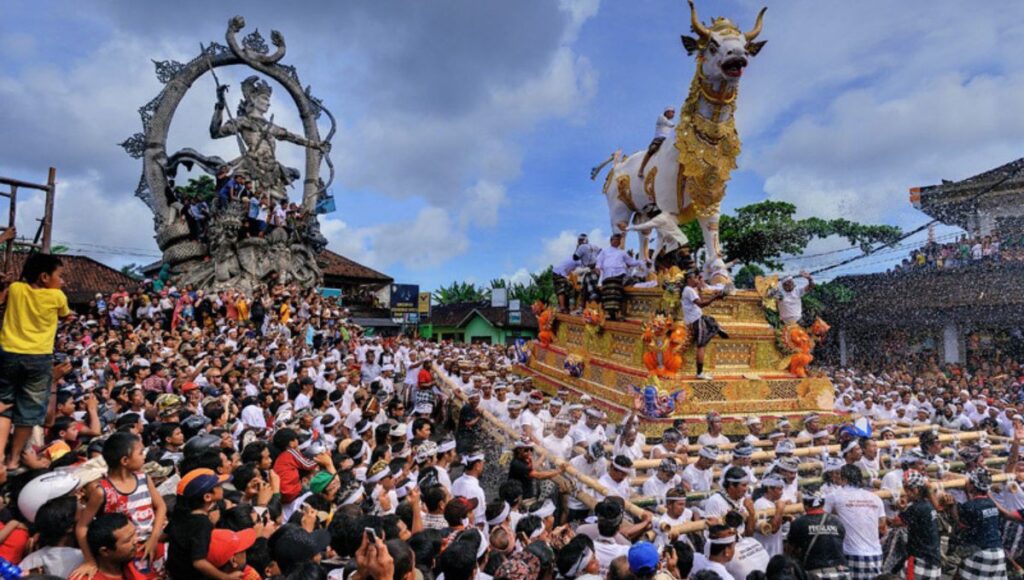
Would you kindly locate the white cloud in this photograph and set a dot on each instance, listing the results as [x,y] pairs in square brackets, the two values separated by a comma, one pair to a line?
[485,200]
[427,241]
[858,157]
[520,276]
[579,12]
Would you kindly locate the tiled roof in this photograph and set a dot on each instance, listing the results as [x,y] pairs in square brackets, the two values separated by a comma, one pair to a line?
[83,277]
[458,315]
[338,266]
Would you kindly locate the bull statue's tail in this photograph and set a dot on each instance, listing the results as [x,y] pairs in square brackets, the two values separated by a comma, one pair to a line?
[596,170]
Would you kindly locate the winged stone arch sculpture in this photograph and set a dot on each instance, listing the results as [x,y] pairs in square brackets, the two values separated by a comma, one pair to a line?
[240,263]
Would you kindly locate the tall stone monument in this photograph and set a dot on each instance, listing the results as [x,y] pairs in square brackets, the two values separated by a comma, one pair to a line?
[239,229]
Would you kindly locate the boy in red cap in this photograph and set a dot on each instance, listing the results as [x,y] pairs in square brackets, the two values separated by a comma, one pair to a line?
[227,552]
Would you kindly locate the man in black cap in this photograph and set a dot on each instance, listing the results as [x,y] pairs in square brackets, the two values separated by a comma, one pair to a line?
[292,545]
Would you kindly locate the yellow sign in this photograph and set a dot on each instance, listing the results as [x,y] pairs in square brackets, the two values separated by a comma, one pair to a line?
[424,303]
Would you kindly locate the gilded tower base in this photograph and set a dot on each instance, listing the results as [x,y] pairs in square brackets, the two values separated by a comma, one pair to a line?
[749,369]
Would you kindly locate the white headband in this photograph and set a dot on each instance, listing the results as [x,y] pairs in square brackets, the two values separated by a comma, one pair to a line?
[498,519]
[581,564]
[379,476]
[621,468]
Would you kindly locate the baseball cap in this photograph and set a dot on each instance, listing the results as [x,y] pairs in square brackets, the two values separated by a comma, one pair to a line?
[224,544]
[643,558]
[200,481]
[291,543]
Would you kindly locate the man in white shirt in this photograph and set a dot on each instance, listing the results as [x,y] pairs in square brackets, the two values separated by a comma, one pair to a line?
[612,264]
[591,430]
[702,328]
[616,479]
[721,550]
[670,236]
[558,442]
[755,428]
[592,464]
[468,485]
[772,500]
[530,422]
[790,298]
[733,498]
[863,517]
[741,458]
[676,513]
[714,435]
[663,480]
[699,475]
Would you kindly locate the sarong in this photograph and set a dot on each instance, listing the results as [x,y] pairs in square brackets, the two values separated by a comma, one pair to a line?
[703,330]
[985,564]
[562,285]
[864,567]
[613,292]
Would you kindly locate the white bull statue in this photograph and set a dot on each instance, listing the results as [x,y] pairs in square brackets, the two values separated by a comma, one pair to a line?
[686,178]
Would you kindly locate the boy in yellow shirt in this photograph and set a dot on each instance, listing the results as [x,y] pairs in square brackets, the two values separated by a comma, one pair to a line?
[34,305]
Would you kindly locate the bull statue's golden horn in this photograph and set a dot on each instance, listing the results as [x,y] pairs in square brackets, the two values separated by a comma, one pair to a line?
[757,25]
[698,28]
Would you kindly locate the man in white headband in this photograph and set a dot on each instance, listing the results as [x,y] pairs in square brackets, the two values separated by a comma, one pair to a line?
[790,297]
[733,498]
[468,484]
[558,443]
[445,457]
[812,424]
[699,475]
[863,516]
[755,428]
[769,533]
[530,422]
[616,479]
[676,513]
[663,480]
[591,430]
[719,548]
[714,435]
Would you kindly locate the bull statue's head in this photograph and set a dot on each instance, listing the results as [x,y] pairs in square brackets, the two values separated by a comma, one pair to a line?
[723,49]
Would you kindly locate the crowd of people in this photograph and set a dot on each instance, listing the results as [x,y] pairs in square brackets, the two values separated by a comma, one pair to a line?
[236,192]
[964,251]
[142,442]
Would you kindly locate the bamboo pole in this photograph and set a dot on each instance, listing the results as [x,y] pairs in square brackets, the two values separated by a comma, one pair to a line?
[699,525]
[805,451]
[513,435]
[810,466]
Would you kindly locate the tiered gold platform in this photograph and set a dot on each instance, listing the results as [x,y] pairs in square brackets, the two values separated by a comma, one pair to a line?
[748,367]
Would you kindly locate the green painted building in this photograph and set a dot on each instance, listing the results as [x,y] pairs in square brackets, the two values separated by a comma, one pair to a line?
[478,322]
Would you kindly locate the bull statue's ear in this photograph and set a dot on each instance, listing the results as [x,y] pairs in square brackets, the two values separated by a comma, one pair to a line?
[690,44]
[755,47]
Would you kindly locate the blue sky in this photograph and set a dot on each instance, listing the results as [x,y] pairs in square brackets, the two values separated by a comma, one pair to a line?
[468,128]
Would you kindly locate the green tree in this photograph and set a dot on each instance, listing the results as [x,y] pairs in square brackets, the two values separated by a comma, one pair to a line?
[202,188]
[541,287]
[763,232]
[746,276]
[459,292]
[825,296]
